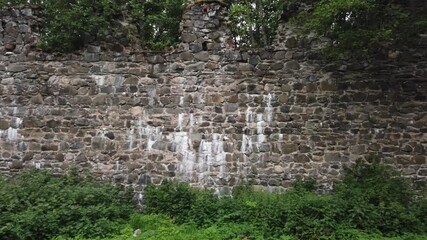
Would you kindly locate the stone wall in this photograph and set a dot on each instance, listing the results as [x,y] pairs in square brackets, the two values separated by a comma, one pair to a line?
[206,113]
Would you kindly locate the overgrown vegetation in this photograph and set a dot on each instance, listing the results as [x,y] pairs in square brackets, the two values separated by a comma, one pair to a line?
[37,205]
[254,23]
[357,28]
[365,27]
[70,24]
[371,202]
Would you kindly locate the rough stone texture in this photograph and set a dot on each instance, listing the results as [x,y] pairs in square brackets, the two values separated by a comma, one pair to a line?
[206,112]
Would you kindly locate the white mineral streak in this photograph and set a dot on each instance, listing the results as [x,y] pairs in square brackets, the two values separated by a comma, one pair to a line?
[269,108]
[191,123]
[100,80]
[260,129]
[211,157]
[186,154]
[151,133]
[202,166]
[131,137]
[262,120]
[246,146]
[181,101]
[180,121]
[11,134]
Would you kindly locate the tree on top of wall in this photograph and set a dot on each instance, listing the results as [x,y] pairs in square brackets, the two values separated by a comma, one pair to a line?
[70,24]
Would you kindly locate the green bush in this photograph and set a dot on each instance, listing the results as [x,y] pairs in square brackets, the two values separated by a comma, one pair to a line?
[173,199]
[37,205]
[371,202]
[375,197]
[160,227]
[254,24]
[71,24]
[364,28]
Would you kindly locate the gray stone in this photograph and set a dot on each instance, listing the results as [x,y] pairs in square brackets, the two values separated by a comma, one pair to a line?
[202,56]
[4,124]
[291,42]
[254,59]
[17,164]
[81,158]
[276,66]
[301,158]
[279,55]
[16,67]
[214,35]
[97,143]
[188,37]
[37,99]
[289,148]
[156,59]
[293,65]
[93,49]
[186,56]
[332,157]
[245,67]
[92,57]
[196,47]
[358,149]
[195,67]
[9,47]
[109,135]
[231,107]
[160,145]
[328,85]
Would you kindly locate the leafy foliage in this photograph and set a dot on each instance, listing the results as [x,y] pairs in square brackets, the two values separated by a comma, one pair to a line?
[363,27]
[254,23]
[372,202]
[375,198]
[160,28]
[70,24]
[171,199]
[37,205]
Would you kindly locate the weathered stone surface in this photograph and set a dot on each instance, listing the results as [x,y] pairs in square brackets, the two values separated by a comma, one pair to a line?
[187,56]
[202,56]
[294,65]
[17,164]
[289,148]
[206,112]
[16,67]
[279,55]
[332,157]
[188,37]
[291,42]
[4,124]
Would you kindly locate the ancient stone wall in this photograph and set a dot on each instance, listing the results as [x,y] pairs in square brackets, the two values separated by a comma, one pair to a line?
[206,113]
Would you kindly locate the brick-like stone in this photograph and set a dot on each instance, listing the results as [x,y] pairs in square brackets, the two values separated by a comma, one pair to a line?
[332,157]
[16,67]
[293,65]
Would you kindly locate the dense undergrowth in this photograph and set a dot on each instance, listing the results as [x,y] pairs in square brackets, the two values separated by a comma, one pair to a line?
[371,202]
